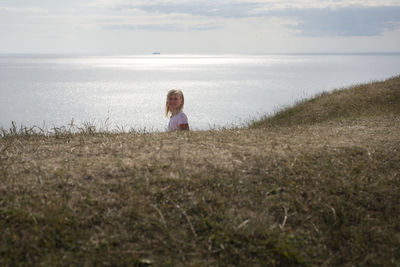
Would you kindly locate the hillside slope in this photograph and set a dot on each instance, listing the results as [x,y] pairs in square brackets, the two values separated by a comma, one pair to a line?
[317,184]
[365,100]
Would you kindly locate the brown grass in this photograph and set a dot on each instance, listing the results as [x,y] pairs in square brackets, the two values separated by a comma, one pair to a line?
[294,190]
[373,99]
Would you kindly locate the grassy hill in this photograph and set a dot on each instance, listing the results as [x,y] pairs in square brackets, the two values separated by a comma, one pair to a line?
[316,184]
[366,100]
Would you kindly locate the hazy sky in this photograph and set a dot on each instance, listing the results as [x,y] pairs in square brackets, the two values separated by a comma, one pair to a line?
[199,26]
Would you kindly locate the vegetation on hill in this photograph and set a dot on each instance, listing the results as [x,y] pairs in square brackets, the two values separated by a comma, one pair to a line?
[316,184]
[366,100]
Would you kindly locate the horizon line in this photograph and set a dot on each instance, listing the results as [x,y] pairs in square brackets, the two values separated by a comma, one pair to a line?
[194,54]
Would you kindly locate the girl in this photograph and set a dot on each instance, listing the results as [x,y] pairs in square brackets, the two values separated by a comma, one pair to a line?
[177,120]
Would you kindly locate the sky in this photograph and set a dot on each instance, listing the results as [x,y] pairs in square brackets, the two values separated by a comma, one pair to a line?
[199,26]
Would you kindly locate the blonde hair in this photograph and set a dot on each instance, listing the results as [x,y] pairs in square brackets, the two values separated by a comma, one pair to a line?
[171,93]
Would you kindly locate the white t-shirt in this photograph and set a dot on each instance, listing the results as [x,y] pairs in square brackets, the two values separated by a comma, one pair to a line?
[176,120]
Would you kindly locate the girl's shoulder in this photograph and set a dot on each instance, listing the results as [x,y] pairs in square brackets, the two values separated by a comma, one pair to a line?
[181,116]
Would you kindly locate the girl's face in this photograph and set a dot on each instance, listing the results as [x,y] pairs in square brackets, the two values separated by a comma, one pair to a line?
[174,102]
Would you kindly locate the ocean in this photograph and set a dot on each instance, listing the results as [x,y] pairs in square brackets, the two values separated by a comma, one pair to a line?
[128,92]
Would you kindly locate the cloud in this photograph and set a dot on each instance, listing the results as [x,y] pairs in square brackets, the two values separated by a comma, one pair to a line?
[318,18]
[268,4]
[162,27]
[309,18]
[146,27]
[199,25]
[352,21]
[231,10]
[22,10]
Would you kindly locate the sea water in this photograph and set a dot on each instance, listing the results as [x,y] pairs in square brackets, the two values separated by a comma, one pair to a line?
[129,91]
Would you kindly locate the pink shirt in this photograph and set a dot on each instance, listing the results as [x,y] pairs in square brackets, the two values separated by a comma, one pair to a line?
[176,120]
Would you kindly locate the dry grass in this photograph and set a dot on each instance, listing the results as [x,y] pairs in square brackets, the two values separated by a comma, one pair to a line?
[373,99]
[320,190]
